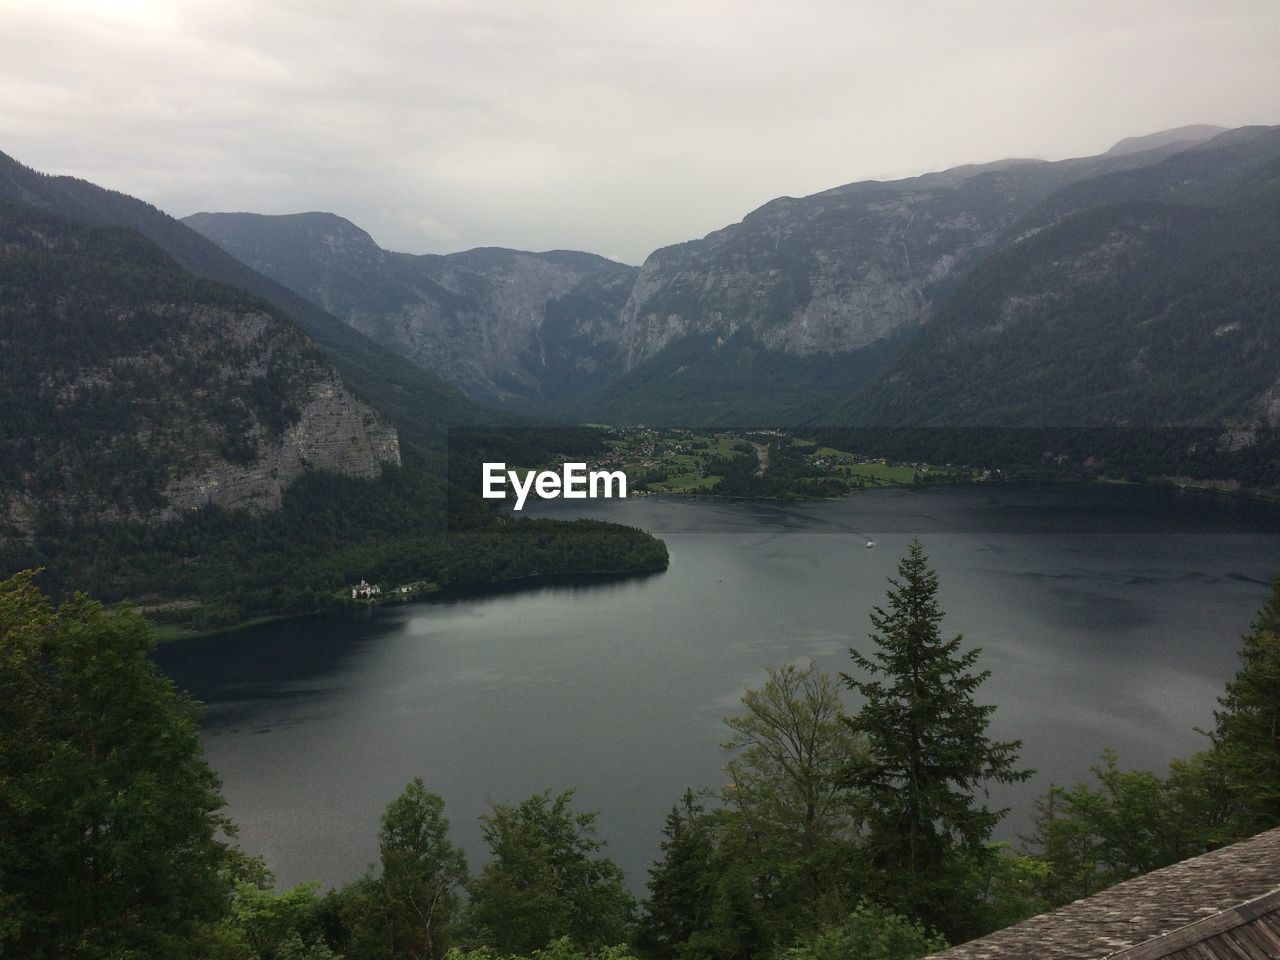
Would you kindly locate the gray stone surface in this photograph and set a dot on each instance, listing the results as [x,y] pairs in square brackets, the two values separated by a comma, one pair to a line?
[1139,910]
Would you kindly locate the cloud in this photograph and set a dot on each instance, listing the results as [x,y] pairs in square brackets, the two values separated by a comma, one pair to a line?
[596,125]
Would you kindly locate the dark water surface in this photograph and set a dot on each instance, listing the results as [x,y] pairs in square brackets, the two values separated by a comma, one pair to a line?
[1109,617]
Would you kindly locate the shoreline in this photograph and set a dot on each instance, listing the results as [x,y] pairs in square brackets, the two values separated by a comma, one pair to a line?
[172,631]
[166,632]
[1162,483]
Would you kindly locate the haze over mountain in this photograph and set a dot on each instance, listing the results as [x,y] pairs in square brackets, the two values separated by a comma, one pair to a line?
[1190,134]
[1148,296]
[501,324]
[777,318]
[615,128]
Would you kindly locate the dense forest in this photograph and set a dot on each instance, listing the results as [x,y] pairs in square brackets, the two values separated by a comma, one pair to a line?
[409,526]
[700,380]
[839,834]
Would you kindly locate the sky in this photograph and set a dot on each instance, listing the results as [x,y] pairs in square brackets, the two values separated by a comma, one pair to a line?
[613,127]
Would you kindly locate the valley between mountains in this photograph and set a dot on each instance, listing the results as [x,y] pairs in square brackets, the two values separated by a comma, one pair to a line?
[244,414]
[986,294]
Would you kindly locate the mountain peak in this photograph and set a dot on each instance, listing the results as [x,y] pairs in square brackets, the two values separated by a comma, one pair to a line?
[328,229]
[1191,134]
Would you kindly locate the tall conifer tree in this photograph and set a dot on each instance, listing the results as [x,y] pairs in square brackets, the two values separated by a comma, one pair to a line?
[1246,738]
[929,757]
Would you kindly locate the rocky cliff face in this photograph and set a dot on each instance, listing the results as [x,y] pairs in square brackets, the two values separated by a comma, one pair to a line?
[138,391]
[1148,297]
[510,325]
[837,271]
[333,432]
[502,324]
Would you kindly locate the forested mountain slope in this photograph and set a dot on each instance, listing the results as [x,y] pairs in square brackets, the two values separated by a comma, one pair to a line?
[173,440]
[132,389]
[1148,297]
[419,404]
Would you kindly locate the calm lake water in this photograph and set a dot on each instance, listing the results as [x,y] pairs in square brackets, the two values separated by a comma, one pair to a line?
[1108,617]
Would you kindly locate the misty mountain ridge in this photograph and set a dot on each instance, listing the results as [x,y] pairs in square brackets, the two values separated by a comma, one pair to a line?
[502,324]
[797,305]
[1189,135]
[1149,296]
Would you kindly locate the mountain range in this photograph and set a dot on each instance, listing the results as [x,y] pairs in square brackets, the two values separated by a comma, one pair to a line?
[202,405]
[808,310]
[504,325]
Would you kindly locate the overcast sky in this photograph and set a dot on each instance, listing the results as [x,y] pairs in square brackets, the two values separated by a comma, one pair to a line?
[615,127]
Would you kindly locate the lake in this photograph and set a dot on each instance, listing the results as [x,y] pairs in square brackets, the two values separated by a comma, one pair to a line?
[1109,616]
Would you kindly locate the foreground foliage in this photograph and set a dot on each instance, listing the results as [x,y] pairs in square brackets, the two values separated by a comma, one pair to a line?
[1246,738]
[1126,823]
[110,814]
[546,880]
[869,932]
[410,909]
[112,843]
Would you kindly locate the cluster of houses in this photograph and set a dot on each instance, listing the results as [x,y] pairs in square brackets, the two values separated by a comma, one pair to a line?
[647,448]
[372,591]
[365,591]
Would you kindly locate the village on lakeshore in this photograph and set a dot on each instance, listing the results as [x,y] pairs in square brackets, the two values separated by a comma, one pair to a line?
[763,463]
[365,592]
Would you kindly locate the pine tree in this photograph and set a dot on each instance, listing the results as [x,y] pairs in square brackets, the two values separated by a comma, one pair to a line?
[1246,738]
[680,894]
[927,832]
